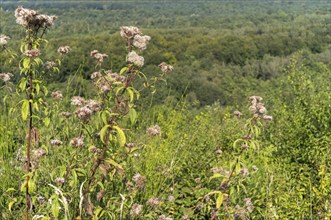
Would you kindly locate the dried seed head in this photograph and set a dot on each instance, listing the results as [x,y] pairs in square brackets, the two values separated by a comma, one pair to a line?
[57,95]
[64,50]
[171,198]
[49,65]
[41,200]
[65,114]
[166,68]
[3,40]
[153,131]
[100,195]
[153,202]
[130,145]
[96,75]
[238,114]
[244,172]
[83,113]
[240,213]
[139,180]
[39,153]
[134,58]
[129,186]
[244,146]
[141,42]
[136,210]
[129,32]
[59,180]
[98,56]
[6,76]
[249,205]
[77,101]
[56,142]
[254,168]
[267,117]
[163,217]
[219,152]
[32,19]
[93,105]
[94,149]
[77,141]
[33,53]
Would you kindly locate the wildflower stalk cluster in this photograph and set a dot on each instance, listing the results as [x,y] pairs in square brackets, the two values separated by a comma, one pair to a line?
[104,138]
[229,179]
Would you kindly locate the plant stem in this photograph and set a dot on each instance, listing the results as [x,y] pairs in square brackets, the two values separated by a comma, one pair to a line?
[30,97]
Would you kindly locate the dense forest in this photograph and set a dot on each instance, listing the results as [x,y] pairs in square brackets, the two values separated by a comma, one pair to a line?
[193,142]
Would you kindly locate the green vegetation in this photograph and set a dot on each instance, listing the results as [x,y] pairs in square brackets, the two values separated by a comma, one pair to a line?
[174,150]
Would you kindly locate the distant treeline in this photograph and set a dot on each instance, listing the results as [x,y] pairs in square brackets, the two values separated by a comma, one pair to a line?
[220,49]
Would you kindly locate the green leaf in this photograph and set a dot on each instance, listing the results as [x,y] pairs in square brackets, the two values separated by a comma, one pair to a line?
[133,116]
[130,92]
[119,89]
[23,186]
[120,136]
[216,175]
[118,167]
[25,109]
[47,121]
[35,105]
[10,205]
[105,115]
[236,142]
[32,186]
[103,132]
[45,90]
[22,84]
[123,70]
[55,207]
[219,200]
[37,87]
[10,189]
[26,63]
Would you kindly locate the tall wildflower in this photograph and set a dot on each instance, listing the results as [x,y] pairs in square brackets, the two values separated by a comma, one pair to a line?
[257,108]
[35,25]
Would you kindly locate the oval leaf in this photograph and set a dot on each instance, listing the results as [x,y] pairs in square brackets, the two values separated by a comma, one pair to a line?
[120,136]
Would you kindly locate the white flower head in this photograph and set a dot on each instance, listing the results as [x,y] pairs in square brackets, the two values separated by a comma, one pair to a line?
[4,39]
[129,31]
[141,42]
[134,58]
[6,76]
